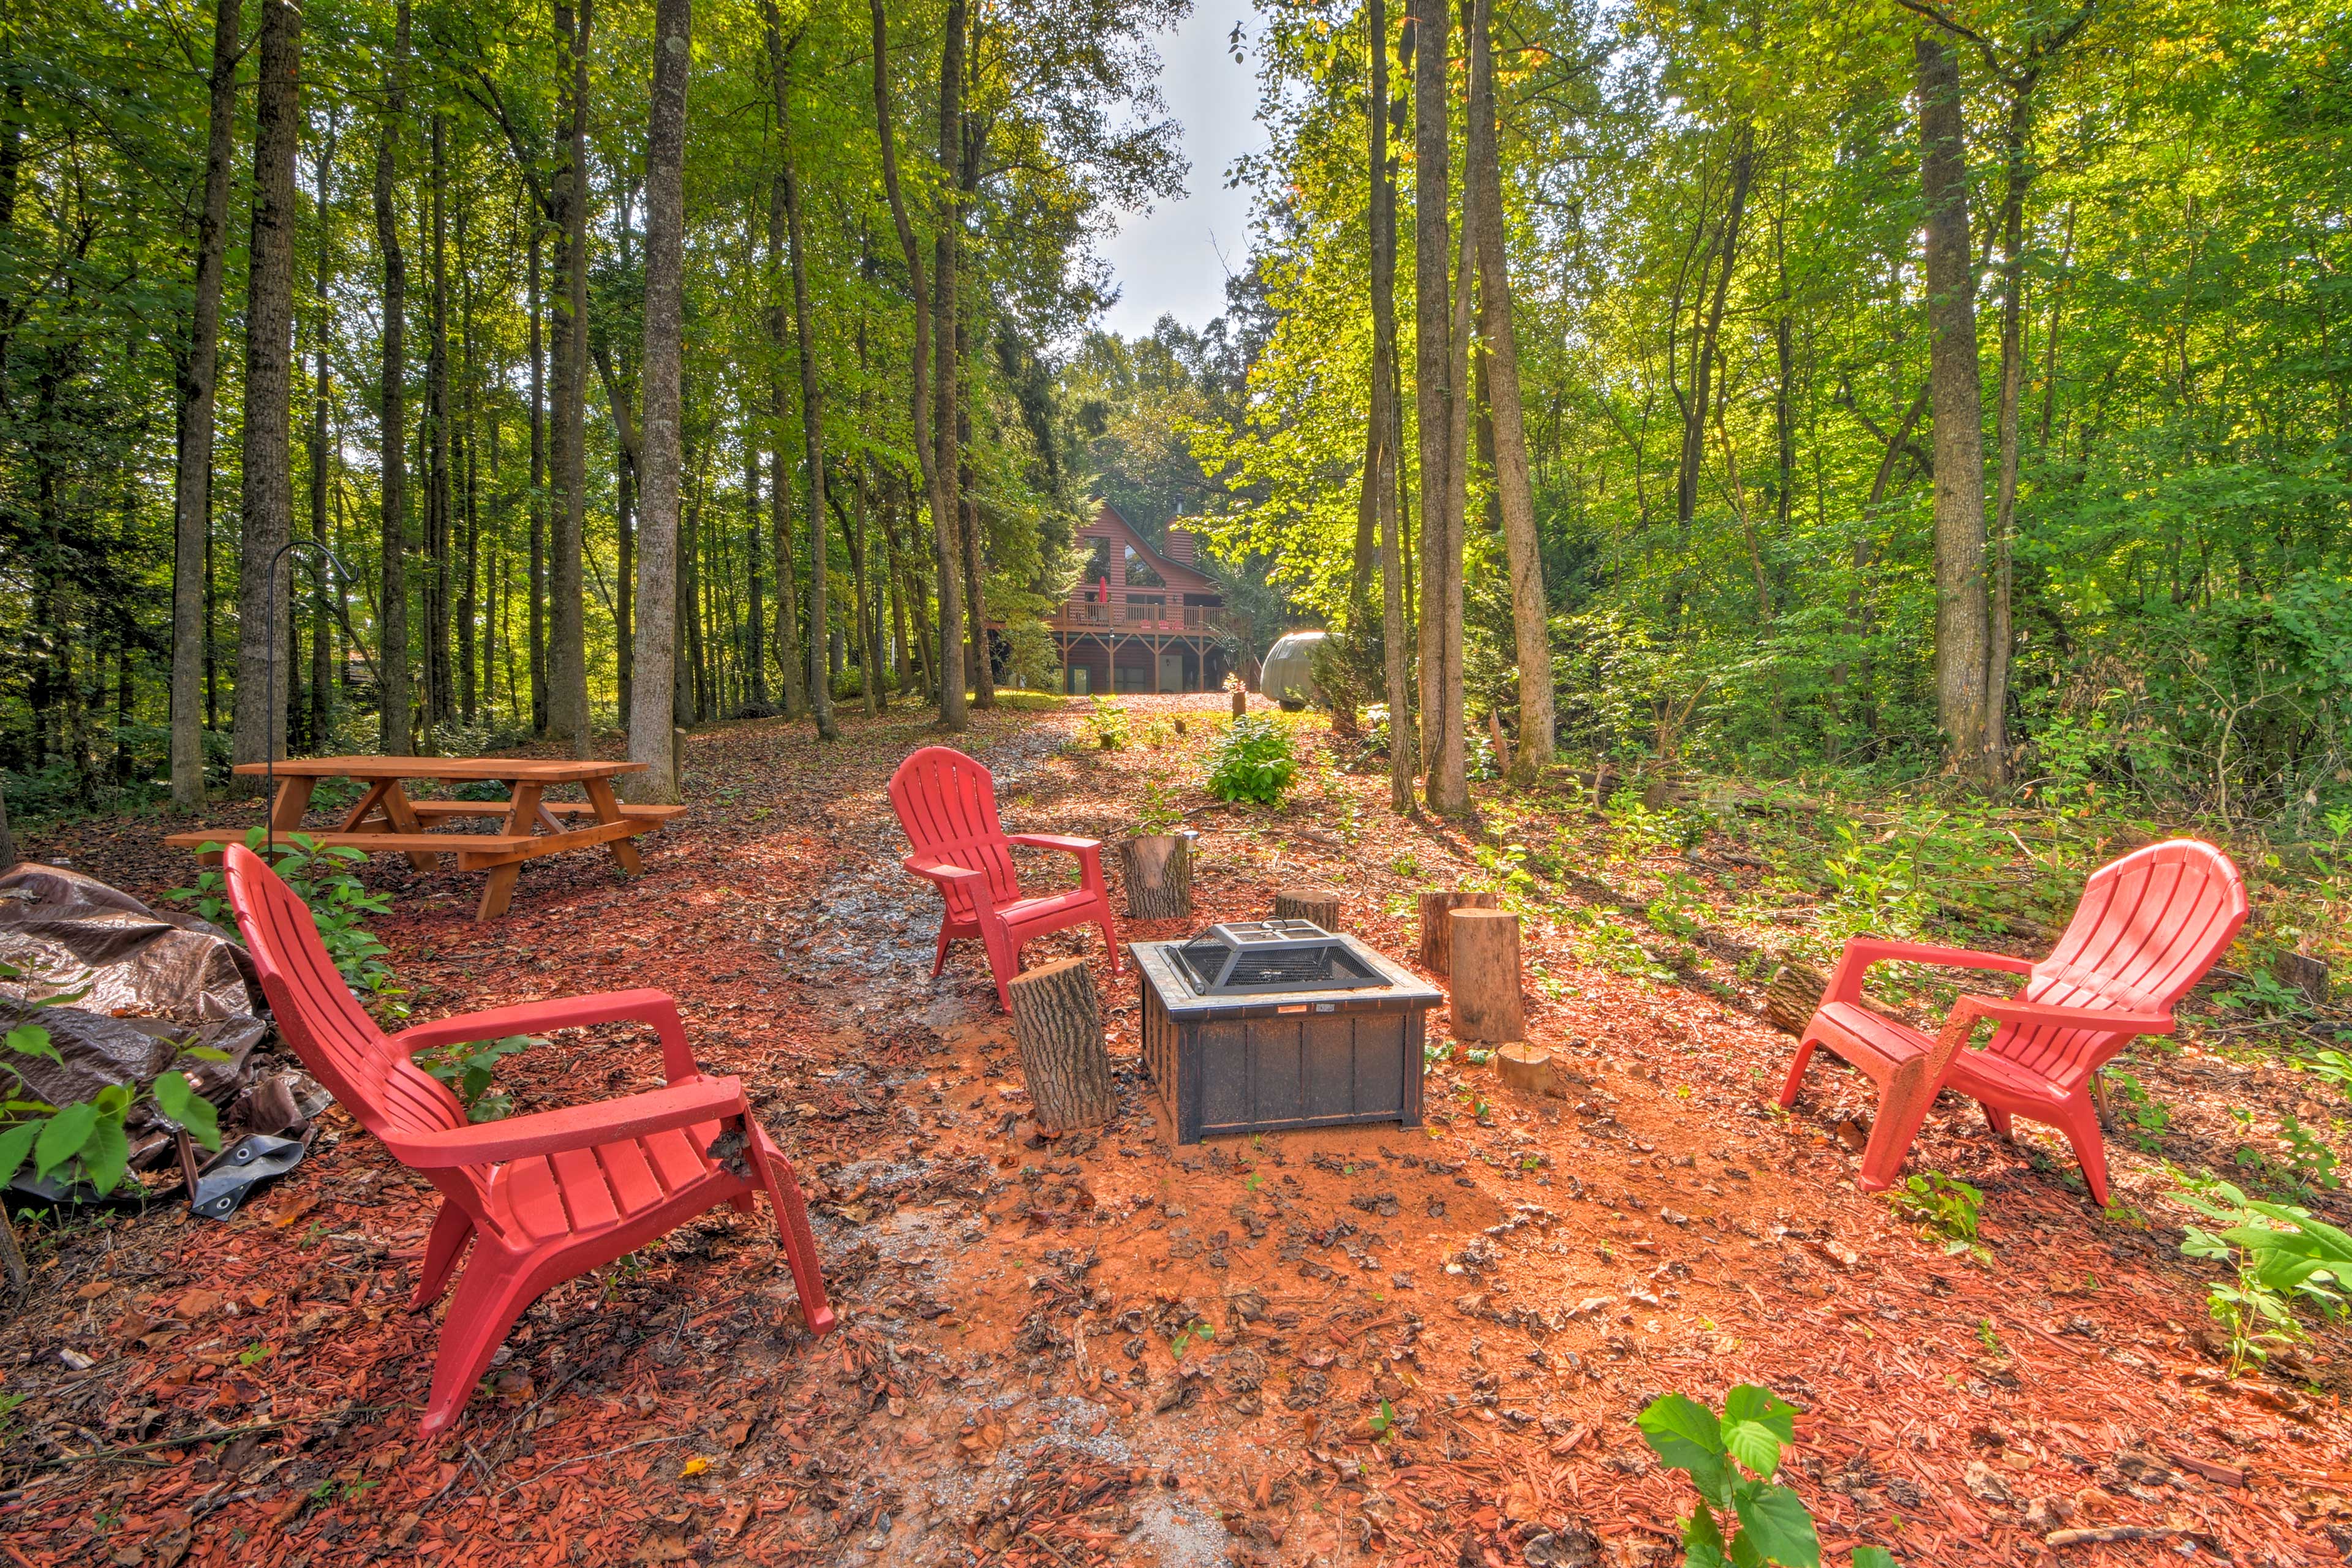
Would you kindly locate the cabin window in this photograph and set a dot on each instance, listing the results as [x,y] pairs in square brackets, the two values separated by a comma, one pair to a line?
[1139,573]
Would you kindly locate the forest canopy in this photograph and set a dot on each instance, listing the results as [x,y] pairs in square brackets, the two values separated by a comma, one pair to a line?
[1908,388]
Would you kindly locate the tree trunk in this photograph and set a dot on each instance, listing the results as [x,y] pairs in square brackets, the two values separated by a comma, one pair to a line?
[868,655]
[321,455]
[192,476]
[1529,609]
[755,615]
[1319,906]
[537,585]
[1486,975]
[1058,1026]
[567,700]
[440,709]
[1999,635]
[1432,361]
[1447,784]
[660,443]
[1383,442]
[789,654]
[1156,871]
[947,519]
[921,396]
[1437,953]
[780,53]
[1958,400]
[392,611]
[259,724]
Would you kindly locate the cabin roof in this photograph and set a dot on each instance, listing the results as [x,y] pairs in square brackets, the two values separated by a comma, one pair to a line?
[1109,524]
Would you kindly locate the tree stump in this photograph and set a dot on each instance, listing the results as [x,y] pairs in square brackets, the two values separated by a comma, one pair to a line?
[1157,872]
[1057,1024]
[1792,997]
[1436,935]
[1530,1070]
[1318,905]
[1241,702]
[2300,972]
[1486,975]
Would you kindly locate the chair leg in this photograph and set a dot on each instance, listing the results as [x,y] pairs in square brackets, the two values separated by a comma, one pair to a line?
[1109,935]
[489,1298]
[1003,959]
[941,962]
[2080,1123]
[1797,1072]
[1998,1118]
[1903,1103]
[452,1229]
[793,1231]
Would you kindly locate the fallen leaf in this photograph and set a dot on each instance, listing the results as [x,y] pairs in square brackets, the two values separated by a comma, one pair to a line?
[695,1466]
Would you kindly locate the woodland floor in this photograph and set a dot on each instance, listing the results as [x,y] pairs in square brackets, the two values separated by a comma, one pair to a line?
[1516,1279]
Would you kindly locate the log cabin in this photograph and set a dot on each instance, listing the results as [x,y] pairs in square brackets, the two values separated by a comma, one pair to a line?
[1142,618]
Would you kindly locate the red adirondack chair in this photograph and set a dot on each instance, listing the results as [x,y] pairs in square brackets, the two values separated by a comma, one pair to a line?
[947,804]
[2148,927]
[543,1197]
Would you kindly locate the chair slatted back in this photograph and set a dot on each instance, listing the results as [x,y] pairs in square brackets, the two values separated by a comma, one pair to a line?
[2148,927]
[329,1030]
[947,804]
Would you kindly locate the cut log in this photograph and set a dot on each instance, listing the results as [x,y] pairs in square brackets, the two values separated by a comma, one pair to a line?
[1530,1070]
[2302,973]
[1486,975]
[1241,702]
[1157,872]
[1319,905]
[1791,998]
[1057,1024]
[1436,935]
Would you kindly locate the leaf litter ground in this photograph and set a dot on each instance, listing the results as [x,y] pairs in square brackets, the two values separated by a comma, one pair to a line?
[1372,1345]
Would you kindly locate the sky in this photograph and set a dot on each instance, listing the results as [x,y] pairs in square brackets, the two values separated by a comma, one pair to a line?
[1166,262]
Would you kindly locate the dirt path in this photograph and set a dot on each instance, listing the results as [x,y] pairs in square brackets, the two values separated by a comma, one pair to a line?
[1370,1345]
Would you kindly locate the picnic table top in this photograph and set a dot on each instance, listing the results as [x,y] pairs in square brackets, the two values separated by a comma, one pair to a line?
[500,769]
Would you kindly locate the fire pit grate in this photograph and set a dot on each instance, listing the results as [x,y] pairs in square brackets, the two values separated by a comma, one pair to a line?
[1248,958]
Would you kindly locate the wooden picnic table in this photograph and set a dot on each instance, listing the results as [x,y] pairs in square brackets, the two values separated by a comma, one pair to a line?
[388,821]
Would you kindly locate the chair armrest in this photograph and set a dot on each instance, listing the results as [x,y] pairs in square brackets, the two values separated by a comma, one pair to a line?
[940,872]
[647,1006]
[1057,841]
[2009,1010]
[1862,952]
[695,1100]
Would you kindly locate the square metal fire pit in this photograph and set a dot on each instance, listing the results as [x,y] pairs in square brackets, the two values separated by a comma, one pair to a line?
[1252,1027]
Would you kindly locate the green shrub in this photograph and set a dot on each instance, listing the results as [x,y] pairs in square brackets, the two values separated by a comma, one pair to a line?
[1107,725]
[325,879]
[1253,762]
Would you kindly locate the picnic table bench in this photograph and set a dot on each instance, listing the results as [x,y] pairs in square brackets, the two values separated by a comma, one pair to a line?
[388,821]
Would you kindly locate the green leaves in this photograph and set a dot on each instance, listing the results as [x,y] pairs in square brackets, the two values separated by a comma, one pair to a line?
[1252,762]
[179,1101]
[1774,1525]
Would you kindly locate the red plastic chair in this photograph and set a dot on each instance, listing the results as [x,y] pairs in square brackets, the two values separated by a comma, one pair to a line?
[544,1197]
[947,804]
[2148,927]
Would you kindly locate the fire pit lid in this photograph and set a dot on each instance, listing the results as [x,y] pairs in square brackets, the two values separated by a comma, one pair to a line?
[1243,958]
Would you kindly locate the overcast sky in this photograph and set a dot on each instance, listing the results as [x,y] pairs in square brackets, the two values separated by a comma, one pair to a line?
[1168,262]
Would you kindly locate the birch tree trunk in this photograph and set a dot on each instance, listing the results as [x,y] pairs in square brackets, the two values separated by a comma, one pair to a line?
[259,721]
[1959,401]
[192,478]
[660,442]
[1529,609]
[392,611]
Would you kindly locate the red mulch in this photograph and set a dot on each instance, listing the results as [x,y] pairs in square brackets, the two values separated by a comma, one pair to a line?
[1516,1285]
